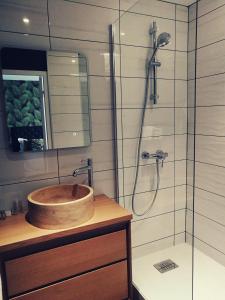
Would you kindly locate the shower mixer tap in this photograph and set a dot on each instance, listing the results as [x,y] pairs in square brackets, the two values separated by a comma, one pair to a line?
[157,42]
[159,155]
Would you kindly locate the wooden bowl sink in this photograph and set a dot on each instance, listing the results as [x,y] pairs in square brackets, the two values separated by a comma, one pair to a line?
[60,206]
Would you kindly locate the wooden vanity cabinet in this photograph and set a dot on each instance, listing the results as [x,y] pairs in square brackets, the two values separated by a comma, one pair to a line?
[89,265]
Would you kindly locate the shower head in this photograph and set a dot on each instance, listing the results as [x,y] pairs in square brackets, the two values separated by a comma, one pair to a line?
[163,39]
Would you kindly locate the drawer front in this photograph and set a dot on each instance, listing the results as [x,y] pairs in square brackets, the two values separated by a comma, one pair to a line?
[36,270]
[109,283]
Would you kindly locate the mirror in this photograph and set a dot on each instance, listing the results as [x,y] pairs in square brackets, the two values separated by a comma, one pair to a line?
[46,99]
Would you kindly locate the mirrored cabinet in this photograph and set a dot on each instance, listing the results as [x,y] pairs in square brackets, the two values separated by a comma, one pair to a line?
[45,99]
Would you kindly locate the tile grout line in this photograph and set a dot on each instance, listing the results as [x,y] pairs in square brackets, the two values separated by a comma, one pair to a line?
[206,217]
[157,240]
[158,215]
[206,243]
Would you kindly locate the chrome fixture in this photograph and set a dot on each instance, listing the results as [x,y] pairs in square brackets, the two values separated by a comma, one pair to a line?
[162,40]
[159,155]
[165,266]
[2,215]
[151,66]
[82,170]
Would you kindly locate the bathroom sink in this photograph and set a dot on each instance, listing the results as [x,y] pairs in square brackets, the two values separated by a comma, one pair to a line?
[60,206]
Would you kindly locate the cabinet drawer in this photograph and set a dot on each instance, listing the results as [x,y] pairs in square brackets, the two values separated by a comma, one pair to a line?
[109,283]
[33,271]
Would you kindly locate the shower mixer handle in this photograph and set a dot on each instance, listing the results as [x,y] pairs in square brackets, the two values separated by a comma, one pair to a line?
[159,155]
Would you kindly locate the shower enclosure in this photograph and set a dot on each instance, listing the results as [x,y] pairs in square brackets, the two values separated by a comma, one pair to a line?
[175,107]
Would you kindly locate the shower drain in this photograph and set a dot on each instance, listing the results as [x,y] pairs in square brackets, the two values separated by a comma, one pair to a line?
[165,266]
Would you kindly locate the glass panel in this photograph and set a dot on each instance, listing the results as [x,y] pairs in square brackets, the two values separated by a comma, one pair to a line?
[154,84]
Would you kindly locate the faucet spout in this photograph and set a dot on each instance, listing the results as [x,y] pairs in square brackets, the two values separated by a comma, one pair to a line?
[89,168]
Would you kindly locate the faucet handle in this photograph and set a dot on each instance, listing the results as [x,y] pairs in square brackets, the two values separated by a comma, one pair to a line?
[88,161]
[83,161]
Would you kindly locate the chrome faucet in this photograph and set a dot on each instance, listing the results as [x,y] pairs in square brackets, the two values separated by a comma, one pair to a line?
[159,155]
[89,168]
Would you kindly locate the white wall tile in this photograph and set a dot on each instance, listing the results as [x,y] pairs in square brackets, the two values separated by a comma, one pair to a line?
[189,226]
[181,65]
[210,232]
[149,7]
[192,11]
[101,125]
[80,179]
[152,247]
[28,41]
[191,120]
[104,183]
[192,35]
[207,24]
[78,21]
[210,205]
[207,6]
[210,149]
[211,90]
[210,120]
[180,147]
[182,13]
[209,251]
[180,197]
[191,72]
[12,13]
[180,172]
[210,177]
[134,62]
[119,126]
[181,36]
[131,25]
[190,147]
[20,191]
[180,120]
[155,124]
[110,4]
[211,59]
[144,231]
[27,166]
[121,185]
[180,238]
[191,93]
[190,172]
[99,88]
[102,155]
[147,179]
[133,92]
[180,221]
[149,144]
[180,93]
[77,156]
[163,203]
[190,201]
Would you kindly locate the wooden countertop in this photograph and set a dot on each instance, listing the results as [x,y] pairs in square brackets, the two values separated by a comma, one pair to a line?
[16,232]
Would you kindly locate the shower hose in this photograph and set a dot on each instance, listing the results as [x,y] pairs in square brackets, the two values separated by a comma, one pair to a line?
[139,146]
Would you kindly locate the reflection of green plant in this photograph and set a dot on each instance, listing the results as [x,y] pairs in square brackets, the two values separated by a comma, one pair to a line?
[22,103]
